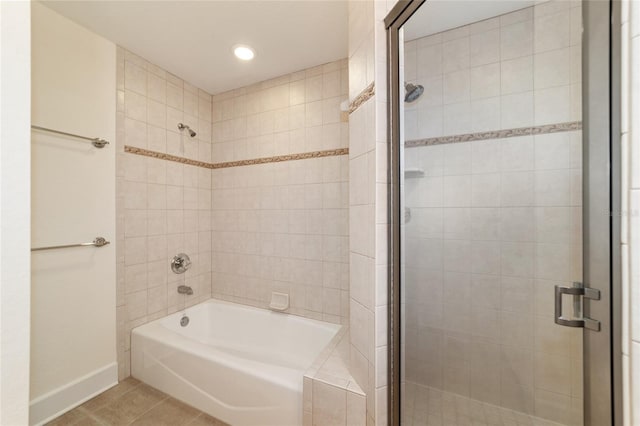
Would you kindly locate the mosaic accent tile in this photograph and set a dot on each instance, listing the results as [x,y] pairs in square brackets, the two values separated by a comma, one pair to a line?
[251,162]
[363,97]
[280,158]
[167,157]
[496,134]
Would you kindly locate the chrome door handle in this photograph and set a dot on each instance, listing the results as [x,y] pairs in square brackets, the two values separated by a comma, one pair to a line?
[579,293]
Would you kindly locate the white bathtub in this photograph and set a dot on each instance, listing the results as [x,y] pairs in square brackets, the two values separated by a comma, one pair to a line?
[240,364]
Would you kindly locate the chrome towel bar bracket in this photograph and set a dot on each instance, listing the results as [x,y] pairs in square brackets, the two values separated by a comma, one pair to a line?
[97,242]
[97,142]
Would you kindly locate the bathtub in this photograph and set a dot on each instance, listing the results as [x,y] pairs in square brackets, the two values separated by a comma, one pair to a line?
[240,364]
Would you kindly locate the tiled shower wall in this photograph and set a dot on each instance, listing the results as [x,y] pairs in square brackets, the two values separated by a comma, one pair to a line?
[496,223]
[163,207]
[249,229]
[516,70]
[283,226]
[368,202]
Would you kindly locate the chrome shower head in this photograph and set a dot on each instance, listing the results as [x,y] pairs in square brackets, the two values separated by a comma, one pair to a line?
[413,92]
[184,126]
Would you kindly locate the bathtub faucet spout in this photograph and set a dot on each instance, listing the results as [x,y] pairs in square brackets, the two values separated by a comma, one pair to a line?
[185,289]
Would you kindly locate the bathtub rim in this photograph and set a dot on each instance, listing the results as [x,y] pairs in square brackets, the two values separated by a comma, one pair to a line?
[156,327]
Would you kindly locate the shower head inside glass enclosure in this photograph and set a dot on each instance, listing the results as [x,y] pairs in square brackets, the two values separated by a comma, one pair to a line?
[490,195]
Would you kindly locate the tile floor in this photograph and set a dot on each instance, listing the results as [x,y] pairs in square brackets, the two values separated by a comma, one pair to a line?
[132,402]
[426,406]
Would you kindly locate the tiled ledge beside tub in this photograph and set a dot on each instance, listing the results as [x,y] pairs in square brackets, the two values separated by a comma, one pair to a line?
[330,394]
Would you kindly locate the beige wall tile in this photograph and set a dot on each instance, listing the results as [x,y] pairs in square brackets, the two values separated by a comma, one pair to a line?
[329,405]
[496,232]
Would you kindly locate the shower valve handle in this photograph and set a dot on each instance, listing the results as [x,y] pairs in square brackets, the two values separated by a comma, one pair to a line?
[180,263]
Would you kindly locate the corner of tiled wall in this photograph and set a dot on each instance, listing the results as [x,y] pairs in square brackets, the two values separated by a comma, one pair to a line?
[331,396]
[281,223]
[368,202]
[327,404]
[152,192]
[163,208]
[258,199]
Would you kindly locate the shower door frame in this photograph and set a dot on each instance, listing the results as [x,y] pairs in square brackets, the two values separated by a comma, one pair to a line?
[601,190]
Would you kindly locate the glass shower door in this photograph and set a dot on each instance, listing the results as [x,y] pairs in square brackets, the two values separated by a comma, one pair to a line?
[491,160]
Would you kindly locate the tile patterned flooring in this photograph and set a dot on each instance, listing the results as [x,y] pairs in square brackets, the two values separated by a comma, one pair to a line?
[131,402]
[425,406]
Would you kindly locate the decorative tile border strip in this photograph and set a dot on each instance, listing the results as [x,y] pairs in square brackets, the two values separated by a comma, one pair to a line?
[497,134]
[281,158]
[167,157]
[363,97]
[240,163]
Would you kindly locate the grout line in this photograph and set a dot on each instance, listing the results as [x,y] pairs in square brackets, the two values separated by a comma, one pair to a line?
[95,418]
[81,407]
[202,414]
[92,413]
[150,408]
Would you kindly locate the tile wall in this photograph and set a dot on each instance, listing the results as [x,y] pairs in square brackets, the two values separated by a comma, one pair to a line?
[331,396]
[495,224]
[630,196]
[368,202]
[163,208]
[507,72]
[283,226]
[362,250]
[249,230]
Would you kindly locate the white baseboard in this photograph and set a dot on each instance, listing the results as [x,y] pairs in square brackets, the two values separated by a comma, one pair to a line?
[57,402]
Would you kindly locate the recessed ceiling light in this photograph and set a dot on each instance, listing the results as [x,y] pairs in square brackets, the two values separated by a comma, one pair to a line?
[244,52]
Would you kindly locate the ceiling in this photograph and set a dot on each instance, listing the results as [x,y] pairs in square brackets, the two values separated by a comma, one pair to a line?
[435,16]
[194,39]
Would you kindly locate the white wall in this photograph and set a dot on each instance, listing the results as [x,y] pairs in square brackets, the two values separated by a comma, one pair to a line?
[14,216]
[73,353]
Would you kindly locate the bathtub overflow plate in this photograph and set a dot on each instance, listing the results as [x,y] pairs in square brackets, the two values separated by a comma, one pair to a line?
[184,321]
